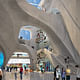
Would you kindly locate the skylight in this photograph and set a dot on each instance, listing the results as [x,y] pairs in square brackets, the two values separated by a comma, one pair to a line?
[34,3]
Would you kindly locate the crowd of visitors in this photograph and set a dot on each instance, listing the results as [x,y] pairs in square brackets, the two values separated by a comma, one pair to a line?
[63,74]
[59,74]
[16,71]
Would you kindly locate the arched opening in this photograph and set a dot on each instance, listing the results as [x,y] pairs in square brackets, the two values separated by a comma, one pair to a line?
[19,61]
[38,44]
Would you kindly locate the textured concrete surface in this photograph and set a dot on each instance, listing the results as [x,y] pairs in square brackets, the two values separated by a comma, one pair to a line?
[70,12]
[56,23]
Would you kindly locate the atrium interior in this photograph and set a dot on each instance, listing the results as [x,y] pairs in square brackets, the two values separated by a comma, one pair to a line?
[39,40]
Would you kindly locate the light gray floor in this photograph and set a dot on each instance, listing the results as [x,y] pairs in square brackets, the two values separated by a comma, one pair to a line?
[10,76]
[33,76]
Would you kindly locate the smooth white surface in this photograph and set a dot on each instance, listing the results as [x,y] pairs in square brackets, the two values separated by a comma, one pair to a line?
[17,61]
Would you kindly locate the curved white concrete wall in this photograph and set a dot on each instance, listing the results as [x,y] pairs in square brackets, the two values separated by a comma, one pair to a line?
[52,20]
[70,12]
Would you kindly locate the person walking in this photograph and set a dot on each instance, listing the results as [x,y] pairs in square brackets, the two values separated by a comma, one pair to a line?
[41,69]
[58,73]
[47,68]
[0,74]
[55,73]
[68,71]
[21,73]
[78,73]
[15,74]
[24,69]
[63,74]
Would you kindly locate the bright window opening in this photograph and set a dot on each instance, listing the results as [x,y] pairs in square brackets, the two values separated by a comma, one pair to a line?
[24,34]
[34,3]
[1,58]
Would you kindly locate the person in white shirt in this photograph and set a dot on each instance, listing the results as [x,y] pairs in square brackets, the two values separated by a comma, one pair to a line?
[58,73]
[78,73]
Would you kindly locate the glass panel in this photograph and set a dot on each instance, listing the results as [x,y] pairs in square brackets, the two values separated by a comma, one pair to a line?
[33,1]
[27,35]
[1,58]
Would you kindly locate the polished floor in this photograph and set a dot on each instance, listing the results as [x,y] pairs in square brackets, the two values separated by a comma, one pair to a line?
[11,76]
[33,76]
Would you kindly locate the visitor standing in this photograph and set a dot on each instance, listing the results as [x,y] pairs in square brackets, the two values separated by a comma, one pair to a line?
[0,74]
[21,73]
[24,69]
[41,69]
[47,68]
[58,73]
[63,74]
[55,73]
[15,74]
[78,73]
[68,71]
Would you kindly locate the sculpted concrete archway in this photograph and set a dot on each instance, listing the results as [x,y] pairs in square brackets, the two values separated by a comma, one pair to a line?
[53,22]
[8,41]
